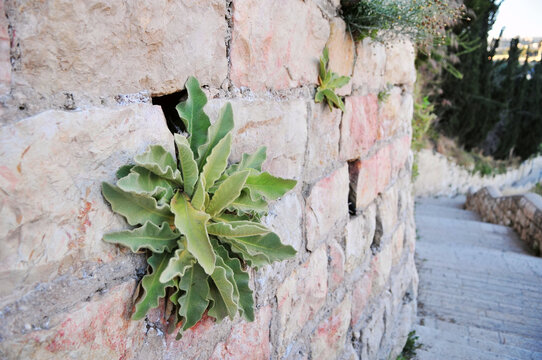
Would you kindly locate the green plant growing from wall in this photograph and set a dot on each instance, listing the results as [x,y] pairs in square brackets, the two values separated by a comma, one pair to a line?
[329,81]
[198,219]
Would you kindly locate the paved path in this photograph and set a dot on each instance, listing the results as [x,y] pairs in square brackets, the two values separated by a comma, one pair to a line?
[480,292]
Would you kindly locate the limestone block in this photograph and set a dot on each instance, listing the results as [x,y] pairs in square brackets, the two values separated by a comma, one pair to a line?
[336,265]
[247,340]
[361,294]
[394,112]
[341,53]
[281,126]
[370,67]
[399,151]
[99,329]
[323,141]
[5,61]
[372,334]
[387,210]
[328,340]
[397,243]
[370,177]
[276,45]
[381,268]
[359,235]
[111,48]
[326,205]
[400,69]
[53,214]
[285,218]
[360,127]
[302,295]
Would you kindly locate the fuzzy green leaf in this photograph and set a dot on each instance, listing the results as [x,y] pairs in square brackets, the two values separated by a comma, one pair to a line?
[319,96]
[189,167]
[338,81]
[137,209]
[256,261]
[124,170]
[153,289]
[245,204]
[268,245]
[159,161]
[217,161]
[216,132]
[250,161]
[227,192]
[177,265]
[191,112]
[149,236]
[217,307]
[224,281]
[198,200]
[268,186]
[194,301]
[246,300]
[191,223]
[237,229]
[144,182]
[333,98]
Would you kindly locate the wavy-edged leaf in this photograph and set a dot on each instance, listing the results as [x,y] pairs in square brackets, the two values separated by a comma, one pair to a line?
[191,223]
[217,161]
[216,132]
[189,167]
[227,192]
[137,209]
[149,236]
[124,170]
[198,200]
[250,161]
[226,217]
[191,112]
[245,204]
[333,98]
[153,289]
[217,307]
[194,301]
[246,300]
[177,265]
[268,245]
[256,261]
[224,281]
[268,186]
[144,182]
[159,161]
[174,300]
[237,229]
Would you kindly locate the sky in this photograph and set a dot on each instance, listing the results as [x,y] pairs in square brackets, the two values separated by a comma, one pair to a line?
[521,18]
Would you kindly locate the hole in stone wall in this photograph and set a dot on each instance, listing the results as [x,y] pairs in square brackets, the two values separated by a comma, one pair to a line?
[375,245]
[168,103]
[353,170]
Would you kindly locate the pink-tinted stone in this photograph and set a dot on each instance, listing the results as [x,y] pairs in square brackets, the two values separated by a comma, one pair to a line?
[400,149]
[326,205]
[328,340]
[302,295]
[191,337]
[341,53]
[370,177]
[360,297]
[359,127]
[266,54]
[247,340]
[336,265]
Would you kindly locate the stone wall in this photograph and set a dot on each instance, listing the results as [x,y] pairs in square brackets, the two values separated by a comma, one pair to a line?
[521,212]
[439,176]
[77,81]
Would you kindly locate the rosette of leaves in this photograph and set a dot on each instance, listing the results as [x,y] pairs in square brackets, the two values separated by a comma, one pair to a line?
[329,81]
[198,218]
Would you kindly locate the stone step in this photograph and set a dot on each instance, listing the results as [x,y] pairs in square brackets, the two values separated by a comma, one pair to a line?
[457,202]
[448,226]
[445,212]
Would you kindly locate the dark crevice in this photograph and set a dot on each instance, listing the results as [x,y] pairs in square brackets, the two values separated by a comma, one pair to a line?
[375,245]
[353,170]
[168,103]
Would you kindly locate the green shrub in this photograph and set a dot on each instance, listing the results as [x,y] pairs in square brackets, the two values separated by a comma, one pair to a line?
[409,351]
[198,219]
[329,81]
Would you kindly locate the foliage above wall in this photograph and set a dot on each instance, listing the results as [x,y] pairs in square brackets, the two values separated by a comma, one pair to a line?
[198,218]
[329,81]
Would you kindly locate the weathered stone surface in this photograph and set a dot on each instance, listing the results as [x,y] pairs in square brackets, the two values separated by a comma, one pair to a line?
[397,243]
[394,112]
[285,217]
[326,205]
[53,214]
[99,329]
[336,265]
[387,210]
[360,127]
[341,53]
[264,52]
[302,294]
[281,126]
[370,67]
[400,69]
[372,334]
[361,294]
[95,49]
[381,268]
[328,340]
[399,151]
[370,177]
[359,235]
[323,141]
[5,62]
[247,340]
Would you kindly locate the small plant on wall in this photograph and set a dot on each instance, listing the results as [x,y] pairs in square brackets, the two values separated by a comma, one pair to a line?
[198,219]
[329,81]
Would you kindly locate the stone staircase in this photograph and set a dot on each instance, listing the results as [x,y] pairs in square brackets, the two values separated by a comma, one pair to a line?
[480,290]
